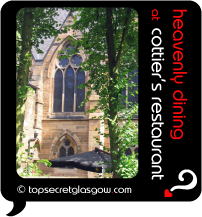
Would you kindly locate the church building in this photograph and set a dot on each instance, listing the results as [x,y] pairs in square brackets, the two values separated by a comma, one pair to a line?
[53,118]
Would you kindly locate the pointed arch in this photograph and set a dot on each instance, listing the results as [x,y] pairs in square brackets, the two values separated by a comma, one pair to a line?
[68,102]
[62,152]
[58,89]
[63,135]
[69,90]
[70,151]
[62,142]
[66,150]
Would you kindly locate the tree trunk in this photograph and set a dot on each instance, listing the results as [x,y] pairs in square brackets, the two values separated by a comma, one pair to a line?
[113,95]
[113,134]
[23,71]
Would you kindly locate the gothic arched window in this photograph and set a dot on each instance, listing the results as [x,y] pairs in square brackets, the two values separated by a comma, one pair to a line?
[68,76]
[70,151]
[62,151]
[69,90]
[58,88]
[66,149]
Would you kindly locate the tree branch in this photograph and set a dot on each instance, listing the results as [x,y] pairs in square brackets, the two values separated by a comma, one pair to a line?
[110,39]
[125,30]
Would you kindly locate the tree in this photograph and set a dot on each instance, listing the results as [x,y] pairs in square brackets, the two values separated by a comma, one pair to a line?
[110,39]
[32,25]
[22,72]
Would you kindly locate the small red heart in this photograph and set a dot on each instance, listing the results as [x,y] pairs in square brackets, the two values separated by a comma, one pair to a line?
[167,193]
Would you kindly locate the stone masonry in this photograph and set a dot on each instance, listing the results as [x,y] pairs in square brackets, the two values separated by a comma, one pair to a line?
[40,118]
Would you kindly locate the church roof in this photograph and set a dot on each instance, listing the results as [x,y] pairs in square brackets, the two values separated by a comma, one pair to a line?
[63,14]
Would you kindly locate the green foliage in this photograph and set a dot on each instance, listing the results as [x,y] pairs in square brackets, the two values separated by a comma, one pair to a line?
[44,26]
[32,167]
[22,92]
[110,41]
[128,166]
[33,25]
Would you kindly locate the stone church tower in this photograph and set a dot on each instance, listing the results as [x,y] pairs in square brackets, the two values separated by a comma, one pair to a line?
[52,112]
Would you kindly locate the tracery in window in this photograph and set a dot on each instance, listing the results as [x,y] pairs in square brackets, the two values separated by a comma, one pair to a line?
[64,62]
[66,149]
[68,76]
[67,142]
[76,60]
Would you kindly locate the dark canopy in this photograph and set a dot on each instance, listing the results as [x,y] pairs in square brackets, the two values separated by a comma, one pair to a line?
[88,161]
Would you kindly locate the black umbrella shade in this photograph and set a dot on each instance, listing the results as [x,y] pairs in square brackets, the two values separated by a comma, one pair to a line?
[88,161]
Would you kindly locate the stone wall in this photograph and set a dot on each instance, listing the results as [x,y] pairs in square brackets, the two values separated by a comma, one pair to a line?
[52,127]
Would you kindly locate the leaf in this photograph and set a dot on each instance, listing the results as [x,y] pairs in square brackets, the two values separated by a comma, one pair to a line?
[114,152]
[99,77]
[39,171]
